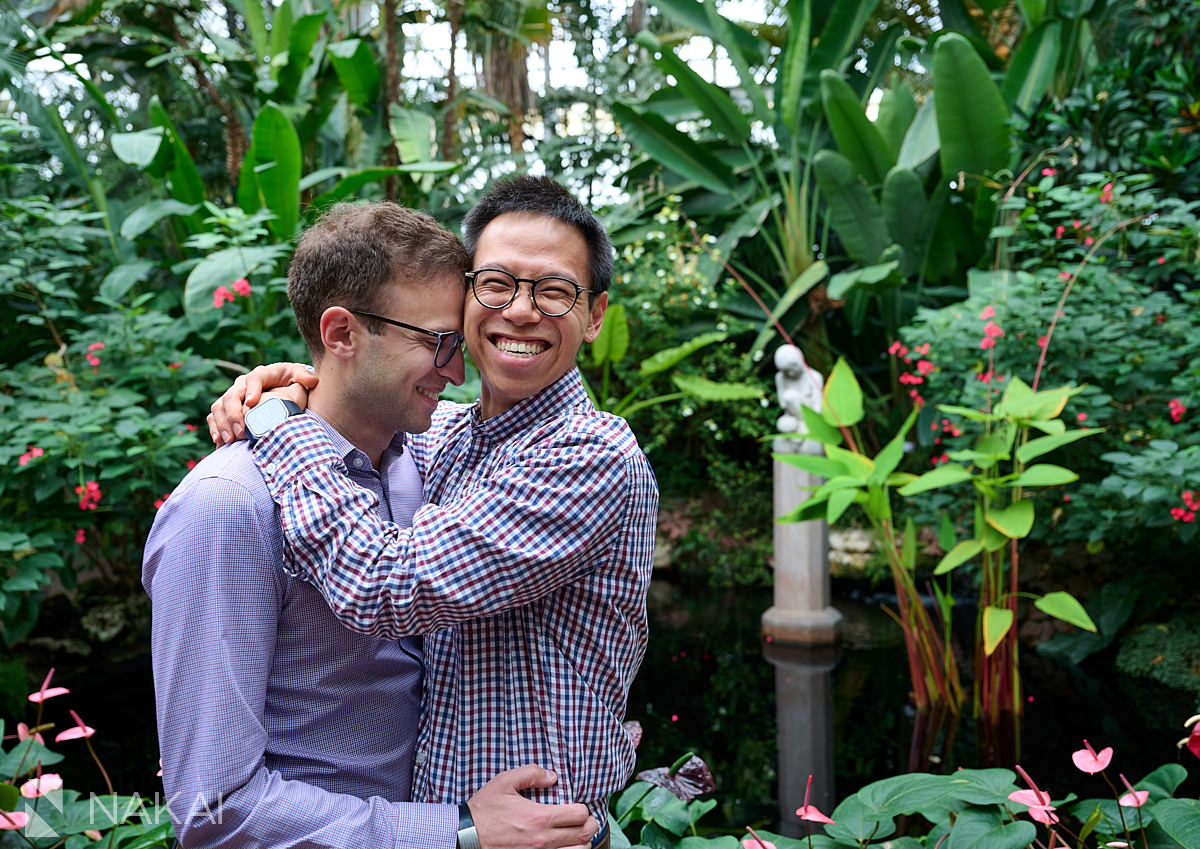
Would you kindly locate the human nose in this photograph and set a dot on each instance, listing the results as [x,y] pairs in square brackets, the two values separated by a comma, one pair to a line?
[455,370]
[522,308]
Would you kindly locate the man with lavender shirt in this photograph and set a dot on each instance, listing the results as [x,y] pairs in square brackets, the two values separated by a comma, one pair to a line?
[278,726]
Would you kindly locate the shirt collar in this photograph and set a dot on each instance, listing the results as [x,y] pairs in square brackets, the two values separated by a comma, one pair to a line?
[554,400]
[348,452]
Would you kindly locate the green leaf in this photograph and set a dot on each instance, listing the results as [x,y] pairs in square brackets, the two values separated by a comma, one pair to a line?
[841,399]
[10,795]
[858,466]
[303,36]
[792,67]
[1044,474]
[1031,72]
[946,536]
[1014,521]
[1062,605]
[612,343]
[674,150]
[908,548]
[890,455]
[356,70]
[221,269]
[857,138]
[819,429]
[1046,444]
[798,288]
[711,100]
[140,148]
[960,554]
[147,215]
[897,109]
[921,141]
[667,358]
[277,151]
[352,182]
[972,117]
[414,133]
[842,282]
[256,22]
[26,754]
[838,502]
[1180,818]
[903,202]
[996,622]
[853,211]
[122,278]
[814,463]
[711,390]
[947,474]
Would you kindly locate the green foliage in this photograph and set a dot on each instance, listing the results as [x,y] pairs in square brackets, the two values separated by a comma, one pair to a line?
[1168,653]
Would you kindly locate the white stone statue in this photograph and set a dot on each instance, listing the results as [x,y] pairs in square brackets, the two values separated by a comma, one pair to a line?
[798,386]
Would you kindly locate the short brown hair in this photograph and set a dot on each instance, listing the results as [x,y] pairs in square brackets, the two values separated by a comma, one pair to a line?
[354,250]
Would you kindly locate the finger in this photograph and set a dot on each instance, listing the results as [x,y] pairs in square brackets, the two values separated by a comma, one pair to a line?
[530,775]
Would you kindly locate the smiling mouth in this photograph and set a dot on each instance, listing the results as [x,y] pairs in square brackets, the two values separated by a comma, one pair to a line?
[521,347]
[428,393]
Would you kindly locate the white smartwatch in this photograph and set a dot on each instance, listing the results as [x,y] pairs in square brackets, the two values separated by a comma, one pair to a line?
[261,419]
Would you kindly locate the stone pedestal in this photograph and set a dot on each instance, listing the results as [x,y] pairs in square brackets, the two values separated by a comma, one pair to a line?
[801,613]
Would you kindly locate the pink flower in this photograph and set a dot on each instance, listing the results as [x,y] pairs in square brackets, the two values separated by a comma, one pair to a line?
[80,536]
[89,495]
[810,812]
[1066,499]
[1191,500]
[96,346]
[756,843]
[23,460]
[1161,260]
[1134,798]
[1081,417]
[992,329]
[987,342]
[159,502]
[1176,408]
[1088,241]
[1037,800]
[48,783]
[1048,172]
[13,820]
[79,732]
[1064,275]
[1076,223]
[46,691]
[897,350]
[23,733]
[1059,230]
[1106,194]
[1043,341]
[984,377]
[221,296]
[925,367]
[1089,761]
[173,366]
[1193,741]
[242,287]
[987,313]
[93,834]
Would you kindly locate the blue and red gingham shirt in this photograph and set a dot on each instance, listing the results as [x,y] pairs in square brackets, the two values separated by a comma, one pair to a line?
[528,567]
[278,726]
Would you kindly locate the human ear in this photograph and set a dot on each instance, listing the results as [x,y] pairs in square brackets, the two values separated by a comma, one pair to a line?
[338,329]
[595,317]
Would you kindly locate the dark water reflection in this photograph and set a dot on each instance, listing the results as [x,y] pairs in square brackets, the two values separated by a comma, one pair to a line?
[710,685]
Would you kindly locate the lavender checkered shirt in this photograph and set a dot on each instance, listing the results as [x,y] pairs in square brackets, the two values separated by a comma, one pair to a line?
[530,564]
[278,726]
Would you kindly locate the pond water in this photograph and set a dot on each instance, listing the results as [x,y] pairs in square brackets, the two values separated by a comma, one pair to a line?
[712,686]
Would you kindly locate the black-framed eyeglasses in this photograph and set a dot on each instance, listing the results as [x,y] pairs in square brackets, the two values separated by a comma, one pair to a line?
[552,296]
[448,341]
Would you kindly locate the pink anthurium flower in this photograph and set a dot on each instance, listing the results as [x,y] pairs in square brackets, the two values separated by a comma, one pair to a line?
[1134,798]
[79,732]
[755,842]
[1193,741]
[1090,761]
[810,812]
[13,820]
[23,733]
[46,691]
[42,785]
[1036,799]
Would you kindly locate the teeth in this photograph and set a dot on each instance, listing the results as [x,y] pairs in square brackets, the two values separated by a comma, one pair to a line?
[433,396]
[512,346]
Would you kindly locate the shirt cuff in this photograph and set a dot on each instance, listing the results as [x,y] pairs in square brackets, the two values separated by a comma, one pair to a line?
[296,444]
[424,826]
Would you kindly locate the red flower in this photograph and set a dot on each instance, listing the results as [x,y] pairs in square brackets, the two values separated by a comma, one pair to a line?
[1176,408]
[221,296]
[987,313]
[1106,194]
[1193,741]
[1059,230]
[242,287]
[80,536]
[1048,172]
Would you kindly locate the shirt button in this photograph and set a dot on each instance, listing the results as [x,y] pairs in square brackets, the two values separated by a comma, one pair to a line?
[271,468]
[356,462]
[420,757]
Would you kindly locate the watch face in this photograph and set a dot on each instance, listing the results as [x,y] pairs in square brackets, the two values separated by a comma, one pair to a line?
[260,419]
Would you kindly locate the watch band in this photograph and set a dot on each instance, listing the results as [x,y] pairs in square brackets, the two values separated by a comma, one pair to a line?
[468,837]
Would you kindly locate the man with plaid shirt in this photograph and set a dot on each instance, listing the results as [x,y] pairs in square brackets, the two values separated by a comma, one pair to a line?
[540,513]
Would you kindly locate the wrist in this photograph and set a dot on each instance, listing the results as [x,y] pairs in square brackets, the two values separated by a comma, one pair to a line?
[468,837]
